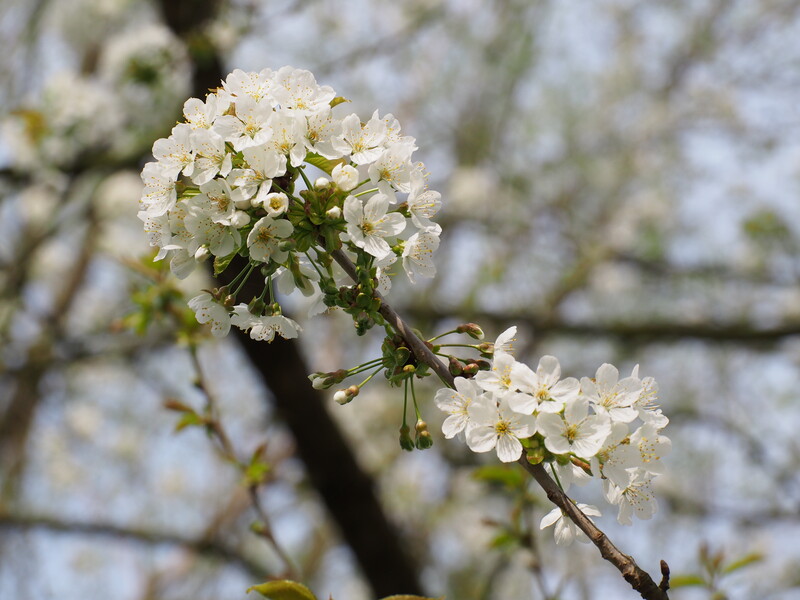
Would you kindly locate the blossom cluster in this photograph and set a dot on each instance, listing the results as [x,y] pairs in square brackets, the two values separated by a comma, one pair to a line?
[110,114]
[223,183]
[606,426]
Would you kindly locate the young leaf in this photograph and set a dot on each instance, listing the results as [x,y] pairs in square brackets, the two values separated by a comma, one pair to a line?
[407,597]
[338,100]
[284,590]
[746,560]
[686,580]
[221,262]
[322,163]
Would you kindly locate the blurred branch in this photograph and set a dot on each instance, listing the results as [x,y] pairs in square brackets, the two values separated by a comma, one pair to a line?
[346,489]
[203,546]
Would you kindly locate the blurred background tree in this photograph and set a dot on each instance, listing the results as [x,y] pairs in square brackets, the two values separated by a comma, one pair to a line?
[620,179]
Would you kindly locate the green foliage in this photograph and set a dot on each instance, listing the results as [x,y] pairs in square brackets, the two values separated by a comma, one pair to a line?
[291,590]
[283,590]
[714,568]
[322,163]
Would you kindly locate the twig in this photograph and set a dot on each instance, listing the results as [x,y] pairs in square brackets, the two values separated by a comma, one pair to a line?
[203,546]
[639,579]
[228,452]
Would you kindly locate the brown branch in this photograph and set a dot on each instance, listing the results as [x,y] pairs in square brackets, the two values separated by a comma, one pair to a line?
[203,546]
[639,579]
[734,333]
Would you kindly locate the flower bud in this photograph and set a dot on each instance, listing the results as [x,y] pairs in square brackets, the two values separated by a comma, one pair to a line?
[470,370]
[240,219]
[406,443]
[202,254]
[421,426]
[322,183]
[229,301]
[471,329]
[334,214]
[455,367]
[318,381]
[345,177]
[287,245]
[424,440]
[256,307]
[345,396]
[276,203]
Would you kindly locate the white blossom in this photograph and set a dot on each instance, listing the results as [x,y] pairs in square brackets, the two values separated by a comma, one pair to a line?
[496,426]
[368,225]
[207,310]
[566,531]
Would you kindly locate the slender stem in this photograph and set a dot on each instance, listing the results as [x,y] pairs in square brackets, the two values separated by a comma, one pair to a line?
[639,579]
[249,270]
[414,398]
[371,375]
[441,335]
[473,346]
[305,178]
[405,404]
[365,192]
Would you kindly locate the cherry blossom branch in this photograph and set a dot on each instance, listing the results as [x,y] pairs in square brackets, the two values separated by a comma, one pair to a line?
[639,579]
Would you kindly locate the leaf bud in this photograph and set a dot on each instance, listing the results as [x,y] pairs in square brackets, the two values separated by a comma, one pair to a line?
[409,369]
[421,426]
[471,329]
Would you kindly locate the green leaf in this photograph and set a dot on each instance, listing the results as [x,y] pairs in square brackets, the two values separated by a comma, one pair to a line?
[504,475]
[322,163]
[221,262]
[686,580]
[338,100]
[283,590]
[504,539]
[407,597]
[746,560]
[189,419]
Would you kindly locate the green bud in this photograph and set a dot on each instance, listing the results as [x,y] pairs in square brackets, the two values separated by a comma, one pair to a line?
[287,245]
[406,443]
[470,370]
[471,329]
[256,307]
[424,440]
[455,367]
[401,355]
